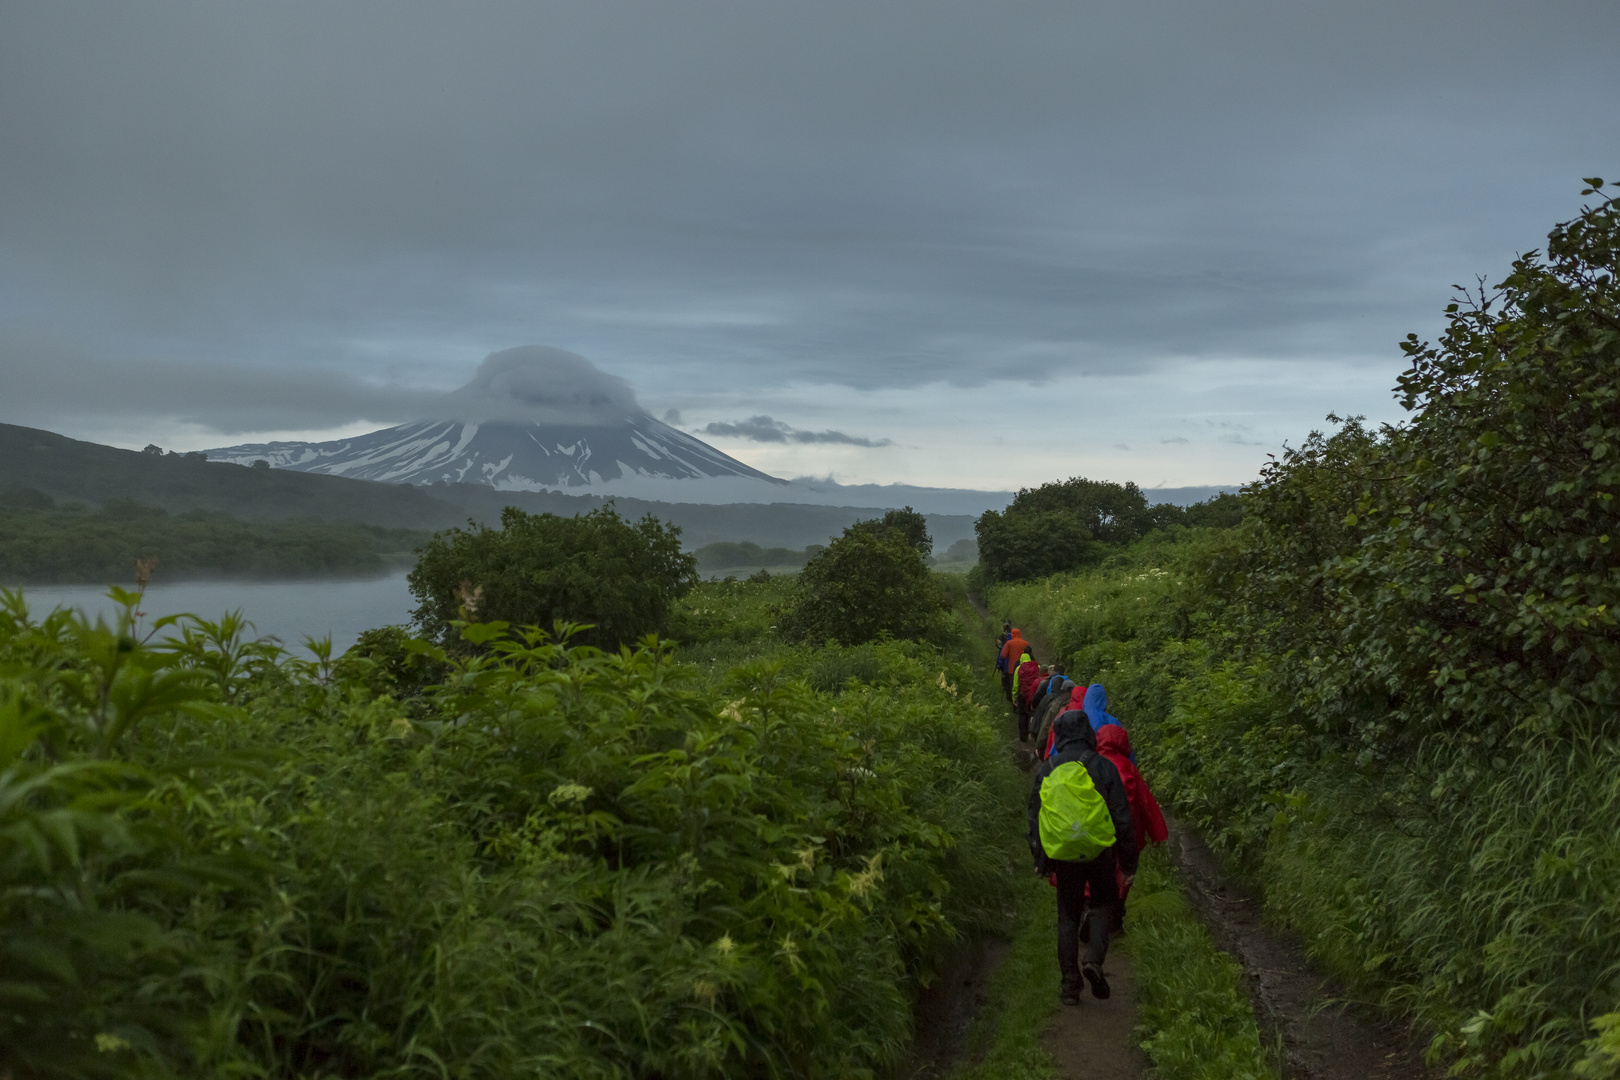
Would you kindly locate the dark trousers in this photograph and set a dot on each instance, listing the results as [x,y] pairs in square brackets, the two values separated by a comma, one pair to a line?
[1023,725]
[1006,684]
[1072,879]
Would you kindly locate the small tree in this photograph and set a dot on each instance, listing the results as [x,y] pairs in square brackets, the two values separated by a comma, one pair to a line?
[909,524]
[597,568]
[870,581]
[1061,526]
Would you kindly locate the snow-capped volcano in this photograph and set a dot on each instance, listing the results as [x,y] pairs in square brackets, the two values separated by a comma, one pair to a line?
[532,418]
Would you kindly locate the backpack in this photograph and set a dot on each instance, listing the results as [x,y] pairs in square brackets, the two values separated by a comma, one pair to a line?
[1075,824]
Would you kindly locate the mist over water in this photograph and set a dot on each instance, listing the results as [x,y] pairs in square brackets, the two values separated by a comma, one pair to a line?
[288,610]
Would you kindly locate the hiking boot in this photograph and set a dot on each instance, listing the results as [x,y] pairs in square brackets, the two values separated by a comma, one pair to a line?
[1099,982]
[1070,997]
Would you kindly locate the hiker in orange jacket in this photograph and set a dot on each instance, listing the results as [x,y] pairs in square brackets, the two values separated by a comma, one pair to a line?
[1010,653]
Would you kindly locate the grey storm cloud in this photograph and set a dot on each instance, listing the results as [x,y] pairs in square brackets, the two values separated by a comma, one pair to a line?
[530,382]
[766,430]
[45,384]
[343,202]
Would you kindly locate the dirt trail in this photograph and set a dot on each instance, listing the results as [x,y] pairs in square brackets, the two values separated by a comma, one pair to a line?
[1324,1036]
[1092,1040]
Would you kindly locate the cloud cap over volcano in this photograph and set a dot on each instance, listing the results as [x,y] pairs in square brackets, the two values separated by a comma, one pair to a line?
[543,385]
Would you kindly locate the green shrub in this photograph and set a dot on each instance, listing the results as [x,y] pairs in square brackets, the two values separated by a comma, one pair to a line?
[1071,524]
[620,578]
[871,581]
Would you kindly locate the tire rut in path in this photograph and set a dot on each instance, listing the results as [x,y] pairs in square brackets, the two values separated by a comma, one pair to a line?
[1323,1034]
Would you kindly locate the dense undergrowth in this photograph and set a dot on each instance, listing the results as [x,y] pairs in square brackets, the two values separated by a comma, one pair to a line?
[516,857]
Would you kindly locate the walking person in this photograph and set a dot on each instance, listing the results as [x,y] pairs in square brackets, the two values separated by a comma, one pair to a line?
[1011,650]
[1114,744]
[1080,831]
[1047,733]
[1026,677]
[1001,654]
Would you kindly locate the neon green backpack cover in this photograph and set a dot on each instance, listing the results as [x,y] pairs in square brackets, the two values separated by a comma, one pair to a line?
[1074,820]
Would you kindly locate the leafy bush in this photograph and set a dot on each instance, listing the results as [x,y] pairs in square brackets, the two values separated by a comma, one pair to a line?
[597,568]
[869,582]
[1070,524]
[1462,570]
[552,860]
[94,857]
[910,524]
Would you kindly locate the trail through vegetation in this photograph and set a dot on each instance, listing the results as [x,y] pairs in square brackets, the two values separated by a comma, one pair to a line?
[1387,698]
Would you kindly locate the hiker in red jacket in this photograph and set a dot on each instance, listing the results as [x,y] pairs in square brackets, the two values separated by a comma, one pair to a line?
[1147,820]
[1025,681]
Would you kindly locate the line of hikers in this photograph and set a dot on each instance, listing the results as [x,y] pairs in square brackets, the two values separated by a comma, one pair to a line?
[1090,813]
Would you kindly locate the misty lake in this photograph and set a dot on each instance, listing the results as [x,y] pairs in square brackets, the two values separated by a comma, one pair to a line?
[288,610]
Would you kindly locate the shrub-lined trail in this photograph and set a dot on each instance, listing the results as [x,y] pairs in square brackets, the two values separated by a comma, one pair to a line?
[1096,1039]
[1320,1032]
[1387,696]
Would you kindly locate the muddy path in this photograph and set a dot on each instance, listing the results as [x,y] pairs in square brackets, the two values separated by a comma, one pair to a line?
[946,1010]
[1093,1040]
[1323,1034]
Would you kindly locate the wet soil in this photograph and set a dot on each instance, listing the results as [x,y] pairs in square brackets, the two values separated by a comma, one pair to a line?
[1323,1034]
[1093,1039]
[946,1010]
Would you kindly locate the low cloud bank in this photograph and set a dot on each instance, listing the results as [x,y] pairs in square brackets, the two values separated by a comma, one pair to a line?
[766,430]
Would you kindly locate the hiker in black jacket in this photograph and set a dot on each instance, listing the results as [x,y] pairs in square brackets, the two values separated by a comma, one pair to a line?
[1074,741]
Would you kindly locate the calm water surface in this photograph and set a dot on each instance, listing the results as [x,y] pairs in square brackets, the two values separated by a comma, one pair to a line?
[289,610]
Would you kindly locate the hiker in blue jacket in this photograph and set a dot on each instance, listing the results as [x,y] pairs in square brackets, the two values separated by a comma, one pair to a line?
[1079,805]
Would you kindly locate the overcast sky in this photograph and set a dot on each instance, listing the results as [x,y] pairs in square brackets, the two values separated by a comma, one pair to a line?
[986,244]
